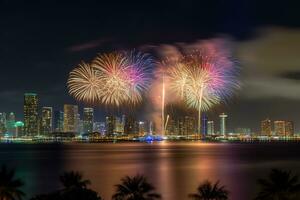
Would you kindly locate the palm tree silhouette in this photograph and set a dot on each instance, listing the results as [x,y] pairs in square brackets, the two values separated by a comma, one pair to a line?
[280,185]
[135,188]
[210,191]
[9,186]
[73,180]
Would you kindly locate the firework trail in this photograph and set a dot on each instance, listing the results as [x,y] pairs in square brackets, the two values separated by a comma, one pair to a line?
[84,83]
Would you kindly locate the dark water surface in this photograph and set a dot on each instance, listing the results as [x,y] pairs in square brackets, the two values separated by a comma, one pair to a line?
[174,168]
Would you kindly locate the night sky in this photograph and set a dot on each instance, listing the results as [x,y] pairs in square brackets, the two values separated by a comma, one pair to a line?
[41,41]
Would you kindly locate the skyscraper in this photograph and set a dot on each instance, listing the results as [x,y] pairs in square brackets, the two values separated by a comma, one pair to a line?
[70,118]
[210,128]
[11,124]
[289,128]
[3,127]
[131,126]
[58,121]
[223,117]
[88,120]
[266,127]
[141,128]
[189,125]
[30,114]
[110,125]
[47,120]
[279,128]
[204,124]
[19,126]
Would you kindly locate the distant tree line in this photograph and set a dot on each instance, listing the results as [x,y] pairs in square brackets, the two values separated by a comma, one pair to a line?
[279,185]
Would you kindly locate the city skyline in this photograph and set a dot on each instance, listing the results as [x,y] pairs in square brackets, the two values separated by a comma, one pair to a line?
[268,81]
[43,120]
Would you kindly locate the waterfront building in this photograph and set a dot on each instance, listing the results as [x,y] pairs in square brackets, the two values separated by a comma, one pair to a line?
[58,121]
[110,125]
[266,127]
[210,128]
[11,130]
[119,126]
[189,125]
[80,126]
[141,128]
[223,117]
[70,118]
[131,126]
[279,128]
[289,128]
[88,120]
[3,127]
[19,126]
[30,114]
[46,121]
[204,127]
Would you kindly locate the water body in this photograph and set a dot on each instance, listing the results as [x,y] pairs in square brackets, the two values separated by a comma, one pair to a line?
[174,168]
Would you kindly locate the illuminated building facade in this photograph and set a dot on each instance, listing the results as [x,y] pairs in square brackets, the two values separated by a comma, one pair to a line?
[88,120]
[289,128]
[210,128]
[3,127]
[11,130]
[266,127]
[58,121]
[110,125]
[204,124]
[189,125]
[279,128]
[19,126]
[47,120]
[30,114]
[223,118]
[142,128]
[131,126]
[70,118]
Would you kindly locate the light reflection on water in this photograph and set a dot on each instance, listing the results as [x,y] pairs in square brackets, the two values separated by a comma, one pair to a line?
[174,168]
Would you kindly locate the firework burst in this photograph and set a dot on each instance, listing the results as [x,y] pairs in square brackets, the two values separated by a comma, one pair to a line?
[112,79]
[84,83]
[203,80]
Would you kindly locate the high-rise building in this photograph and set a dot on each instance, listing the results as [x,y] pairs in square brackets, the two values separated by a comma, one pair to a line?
[11,130]
[266,127]
[19,128]
[30,114]
[223,117]
[119,126]
[141,128]
[70,118]
[131,126]
[47,120]
[189,125]
[279,128]
[110,125]
[171,127]
[289,128]
[3,122]
[88,120]
[58,121]
[210,128]
[204,124]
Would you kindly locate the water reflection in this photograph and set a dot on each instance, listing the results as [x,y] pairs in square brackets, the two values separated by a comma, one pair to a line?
[175,169]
